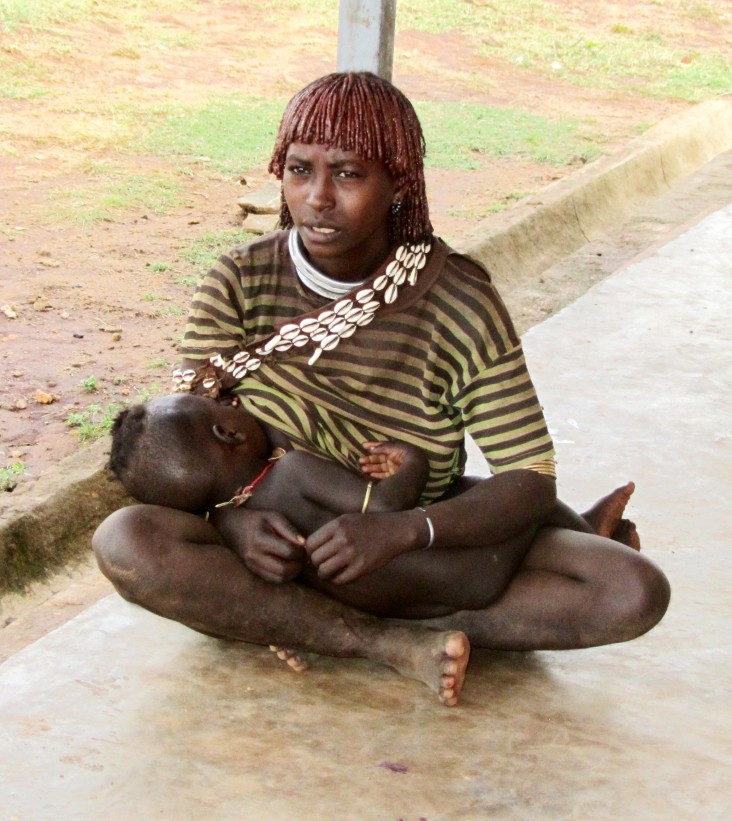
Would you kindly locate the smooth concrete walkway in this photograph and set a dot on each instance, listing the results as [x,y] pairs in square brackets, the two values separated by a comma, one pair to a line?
[121,715]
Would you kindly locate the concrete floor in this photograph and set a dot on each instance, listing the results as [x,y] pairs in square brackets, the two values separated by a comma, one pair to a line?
[121,715]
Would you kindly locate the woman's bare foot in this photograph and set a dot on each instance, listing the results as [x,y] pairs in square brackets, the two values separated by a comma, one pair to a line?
[437,659]
[294,660]
[605,517]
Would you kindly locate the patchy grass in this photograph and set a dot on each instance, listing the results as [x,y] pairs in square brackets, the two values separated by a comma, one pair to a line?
[110,196]
[542,36]
[158,364]
[460,135]
[202,253]
[42,12]
[232,135]
[9,476]
[18,90]
[94,421]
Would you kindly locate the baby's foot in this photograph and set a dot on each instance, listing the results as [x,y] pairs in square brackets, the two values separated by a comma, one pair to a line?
[297,662]
[607,513]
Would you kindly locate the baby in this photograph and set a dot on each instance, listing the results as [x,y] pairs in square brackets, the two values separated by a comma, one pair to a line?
[194,454]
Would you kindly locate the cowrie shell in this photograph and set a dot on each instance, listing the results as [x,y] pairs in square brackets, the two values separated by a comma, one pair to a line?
[240,356]
[343,307]
[326,317]
[354,314]
[330,342]
[400,277]
[253,364]
[229,367]
[365,319]
[392,268]
[370,307]
[349,330]
[289,331]
[217,361]
[409,260]
[285,345]
[208,383]
[321,333]
[188,376]
[401,252]
[309,325]
[420,261]
[413,276]
[381,282]
[301,340]
[364,295]
[338,326]
[391,293]
[240,372]
[272,343]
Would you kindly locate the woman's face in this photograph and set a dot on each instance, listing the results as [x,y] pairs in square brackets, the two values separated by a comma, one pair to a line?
[340,205]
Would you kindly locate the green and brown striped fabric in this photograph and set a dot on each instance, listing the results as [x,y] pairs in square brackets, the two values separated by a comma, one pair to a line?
[447,362]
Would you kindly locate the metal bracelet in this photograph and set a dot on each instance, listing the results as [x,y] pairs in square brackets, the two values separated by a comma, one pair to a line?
[431,529]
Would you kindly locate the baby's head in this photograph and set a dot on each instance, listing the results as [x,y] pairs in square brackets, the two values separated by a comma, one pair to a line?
[184,451]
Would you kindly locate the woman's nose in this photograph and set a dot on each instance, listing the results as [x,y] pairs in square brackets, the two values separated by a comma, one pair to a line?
[320,192]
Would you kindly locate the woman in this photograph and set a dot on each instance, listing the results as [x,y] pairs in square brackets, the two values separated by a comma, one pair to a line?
[354,323]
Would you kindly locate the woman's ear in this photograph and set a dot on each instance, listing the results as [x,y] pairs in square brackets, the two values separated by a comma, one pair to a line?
[227,436]
[402,185]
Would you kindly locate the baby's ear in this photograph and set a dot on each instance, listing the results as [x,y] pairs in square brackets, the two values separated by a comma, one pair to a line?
[227,436]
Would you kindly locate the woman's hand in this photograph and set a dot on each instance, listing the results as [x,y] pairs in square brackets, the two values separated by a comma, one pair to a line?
[266,541]
[353,545]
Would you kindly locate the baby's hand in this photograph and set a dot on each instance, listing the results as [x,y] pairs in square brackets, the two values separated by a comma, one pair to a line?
[384,459]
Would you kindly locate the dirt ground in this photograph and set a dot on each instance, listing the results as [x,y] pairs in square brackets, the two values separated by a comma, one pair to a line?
[83,302]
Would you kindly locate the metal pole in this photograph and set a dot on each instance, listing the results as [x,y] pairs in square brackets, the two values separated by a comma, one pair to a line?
[366,36]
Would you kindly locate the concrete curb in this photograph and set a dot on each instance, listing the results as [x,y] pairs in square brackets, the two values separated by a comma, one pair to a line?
[518,244]
[53,521]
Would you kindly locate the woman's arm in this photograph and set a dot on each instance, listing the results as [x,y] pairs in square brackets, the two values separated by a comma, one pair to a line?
[490,513]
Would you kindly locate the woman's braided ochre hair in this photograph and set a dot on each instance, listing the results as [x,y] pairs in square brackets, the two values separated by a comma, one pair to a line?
[358,111]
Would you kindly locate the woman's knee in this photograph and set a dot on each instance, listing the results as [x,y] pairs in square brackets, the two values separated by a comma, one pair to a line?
[130,546]
[637,597]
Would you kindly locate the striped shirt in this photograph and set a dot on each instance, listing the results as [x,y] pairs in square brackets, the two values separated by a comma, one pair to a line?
[448,362]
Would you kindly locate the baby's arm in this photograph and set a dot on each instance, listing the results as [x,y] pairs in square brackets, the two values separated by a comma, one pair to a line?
[402,471]
[310,490]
